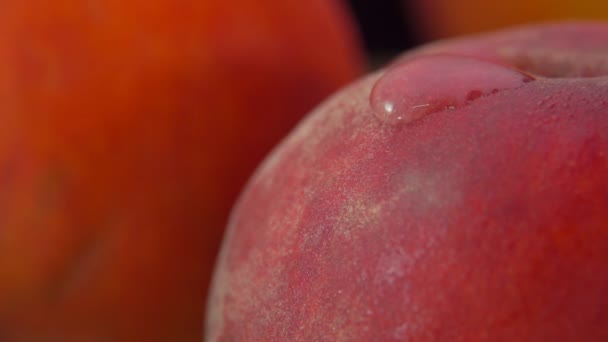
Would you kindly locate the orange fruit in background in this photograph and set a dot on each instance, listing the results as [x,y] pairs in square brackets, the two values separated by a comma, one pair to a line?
[447,18]
[126,130]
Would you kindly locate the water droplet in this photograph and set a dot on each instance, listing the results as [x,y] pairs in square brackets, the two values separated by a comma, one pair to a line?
[419,87]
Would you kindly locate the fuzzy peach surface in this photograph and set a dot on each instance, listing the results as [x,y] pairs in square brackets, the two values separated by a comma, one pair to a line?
[487,222]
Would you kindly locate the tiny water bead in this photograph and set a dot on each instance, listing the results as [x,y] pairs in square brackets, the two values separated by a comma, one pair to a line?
[425,85]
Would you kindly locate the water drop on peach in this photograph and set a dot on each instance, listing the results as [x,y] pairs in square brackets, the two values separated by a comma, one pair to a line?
[413,89]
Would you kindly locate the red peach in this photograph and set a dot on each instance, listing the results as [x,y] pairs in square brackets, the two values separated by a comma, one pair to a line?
[127,129]
[461,194]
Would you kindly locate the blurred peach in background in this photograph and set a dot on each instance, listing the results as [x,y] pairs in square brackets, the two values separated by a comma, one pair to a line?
[127,129]
[448,18]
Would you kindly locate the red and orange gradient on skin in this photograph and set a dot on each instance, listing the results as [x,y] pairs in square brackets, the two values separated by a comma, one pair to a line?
[126,130]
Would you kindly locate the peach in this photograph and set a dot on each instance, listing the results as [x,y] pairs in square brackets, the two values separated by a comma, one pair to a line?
[446,18]
[127,129]
[460,194]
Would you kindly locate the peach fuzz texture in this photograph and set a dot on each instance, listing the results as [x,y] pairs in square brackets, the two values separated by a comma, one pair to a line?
[487,222]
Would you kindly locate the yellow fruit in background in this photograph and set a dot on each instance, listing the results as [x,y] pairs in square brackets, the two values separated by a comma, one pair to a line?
[447,18]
